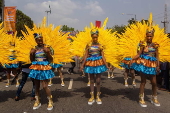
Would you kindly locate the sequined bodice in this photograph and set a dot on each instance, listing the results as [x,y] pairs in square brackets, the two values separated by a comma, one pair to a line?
[40,55]
[151,52]
[94,51]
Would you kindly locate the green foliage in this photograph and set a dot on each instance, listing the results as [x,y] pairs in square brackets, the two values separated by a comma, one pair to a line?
[0,9]
[0,3]
[66,28]
[118,29]
[131,21]
[21,20]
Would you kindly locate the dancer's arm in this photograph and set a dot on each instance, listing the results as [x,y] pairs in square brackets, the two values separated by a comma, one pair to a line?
[84,59]
[158,63]
[32,55]
[104,60]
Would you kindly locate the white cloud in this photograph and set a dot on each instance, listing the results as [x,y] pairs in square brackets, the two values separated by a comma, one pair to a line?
[69,21]
[64,7]
[126,1]
[95,8]
[60,10]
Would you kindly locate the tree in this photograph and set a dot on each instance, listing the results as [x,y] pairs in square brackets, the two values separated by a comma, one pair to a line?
[21,20]
[131,21]
[1,10]
[66,28]
[118,29]
[0,3]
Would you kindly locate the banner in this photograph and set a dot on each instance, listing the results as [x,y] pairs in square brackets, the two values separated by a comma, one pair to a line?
[10,19]
[98,24]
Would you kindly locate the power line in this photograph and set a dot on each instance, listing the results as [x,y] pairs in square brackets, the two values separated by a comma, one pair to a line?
[160,13]
[161,17]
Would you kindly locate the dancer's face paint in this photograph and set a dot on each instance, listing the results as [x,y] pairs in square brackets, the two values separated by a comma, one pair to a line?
[95,38]
[39,41]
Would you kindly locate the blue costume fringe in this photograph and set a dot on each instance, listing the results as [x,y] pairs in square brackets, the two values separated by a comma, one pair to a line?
[56,65]
[126,65]
[94,58]
[94,69]
[11,65]
[41,74]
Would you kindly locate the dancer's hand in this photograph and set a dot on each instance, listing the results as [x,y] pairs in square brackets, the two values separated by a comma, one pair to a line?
[81,68]
[130,63]
[158,70]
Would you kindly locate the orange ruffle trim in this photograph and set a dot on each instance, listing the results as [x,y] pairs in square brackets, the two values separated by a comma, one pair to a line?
[40,67]
[126,62]
[145,62]
[94,63]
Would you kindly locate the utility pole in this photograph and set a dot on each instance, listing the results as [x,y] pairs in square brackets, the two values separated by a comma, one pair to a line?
[165,22]
[47,13]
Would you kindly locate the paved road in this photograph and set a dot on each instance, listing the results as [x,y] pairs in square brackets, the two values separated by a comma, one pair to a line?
[116,98]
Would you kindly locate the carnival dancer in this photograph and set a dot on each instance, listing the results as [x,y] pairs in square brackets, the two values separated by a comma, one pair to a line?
[152,50]
[25,73]
[99,46]
[125,63]
[11,65]
[128,70]
[59,70]
[149,65]
[58,67]
[94,63]
[12,68]
[40,57]
[63,46]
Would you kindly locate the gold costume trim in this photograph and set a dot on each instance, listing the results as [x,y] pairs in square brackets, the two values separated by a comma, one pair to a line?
[94,63]
[145,62]
[40,67]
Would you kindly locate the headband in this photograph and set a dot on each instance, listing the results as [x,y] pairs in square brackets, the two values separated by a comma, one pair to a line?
[37,35]
[94,31]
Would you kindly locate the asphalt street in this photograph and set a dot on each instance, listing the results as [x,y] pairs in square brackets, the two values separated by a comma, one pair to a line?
[115,96]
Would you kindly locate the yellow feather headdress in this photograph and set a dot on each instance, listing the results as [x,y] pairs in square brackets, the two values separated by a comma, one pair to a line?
[135,33]
[51,37]
[107,40]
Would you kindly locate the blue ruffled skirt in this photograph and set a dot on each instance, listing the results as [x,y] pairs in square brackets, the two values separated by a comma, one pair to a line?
[41,70]
[146,65]
[53,65]
[126,63]
[94,65]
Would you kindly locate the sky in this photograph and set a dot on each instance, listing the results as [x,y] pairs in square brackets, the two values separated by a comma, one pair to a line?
[79,13]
